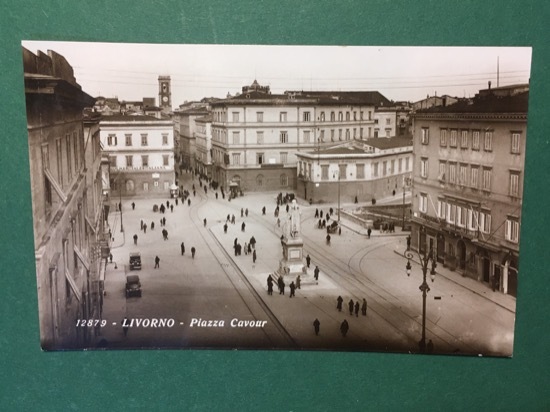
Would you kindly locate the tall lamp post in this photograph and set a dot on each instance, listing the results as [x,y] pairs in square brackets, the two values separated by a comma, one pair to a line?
[424,263]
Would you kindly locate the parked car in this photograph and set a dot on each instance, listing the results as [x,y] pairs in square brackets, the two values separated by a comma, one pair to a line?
[135,261]
[133,286]
[333,227]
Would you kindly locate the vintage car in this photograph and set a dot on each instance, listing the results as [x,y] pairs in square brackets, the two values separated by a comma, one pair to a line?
[135,261]
[133,286]
[333,227]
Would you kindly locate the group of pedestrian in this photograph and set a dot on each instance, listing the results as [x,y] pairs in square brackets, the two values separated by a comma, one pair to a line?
[352,306]
[344,327]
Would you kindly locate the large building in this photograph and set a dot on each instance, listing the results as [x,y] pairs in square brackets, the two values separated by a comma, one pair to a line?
[140,150]
[67,208]
[362,170]
[256,135]
[185,130]
[468,184]
[203,146]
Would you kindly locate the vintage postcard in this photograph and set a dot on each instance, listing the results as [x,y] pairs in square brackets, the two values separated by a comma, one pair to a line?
[277,197]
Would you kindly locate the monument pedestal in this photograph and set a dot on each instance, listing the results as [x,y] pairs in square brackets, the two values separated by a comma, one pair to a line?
[292,263]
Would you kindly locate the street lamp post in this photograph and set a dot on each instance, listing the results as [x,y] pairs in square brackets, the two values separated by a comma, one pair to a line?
[424,263]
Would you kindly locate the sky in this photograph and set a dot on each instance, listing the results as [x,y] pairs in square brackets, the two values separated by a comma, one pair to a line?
[130,71]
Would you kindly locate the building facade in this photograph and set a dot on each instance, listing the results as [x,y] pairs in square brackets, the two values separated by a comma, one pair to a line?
[186,131]
[203,145]
[67,208]
[256,135]
[367,170]
[140,150]
[468,185]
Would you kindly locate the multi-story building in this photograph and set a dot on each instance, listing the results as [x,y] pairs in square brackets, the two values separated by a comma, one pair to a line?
[256,135]
[366,170]
[203,146]
[141,154]
[66,199]
[467,197]
[186,130]
[432,101]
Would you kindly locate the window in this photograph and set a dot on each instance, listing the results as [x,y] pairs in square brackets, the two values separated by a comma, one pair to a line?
[165,160]
[354,133]
[339,134]
[473,219]
[259,117]
[260,137]
[515,143]
[332,135]
[236,137]
[59,155]
[306,116]
[487,175]
[347,116]
[488,141]
[370,115]
[511,232]
[407,164]
[375,169]
[332,116]
[69,163]
[284,157]
[321,136]
[423,203]
[442,169]
[360,167]
[474,177]
[354,116]
[462,216]
[514,183]
[464,139]
[475,140]
[441,209]
[111,140]
[282,117]
[340,116]
[165,139]
[452,173]
[388,121]
[342,170]
[235,117]
[388,132]
[284,180]
[236,158]
[322,116]
[283,137]
[76,152]
[129,161]
[361,133]
[400,165]
[463,175]
[324,172]
[392,167]
[307,134]
[453,143]
[144,139]
[347,134]
[112,161]
[260,158]
[423,167]
[485,222]
[145,161]
[425,139]
[128,138]
[361,115]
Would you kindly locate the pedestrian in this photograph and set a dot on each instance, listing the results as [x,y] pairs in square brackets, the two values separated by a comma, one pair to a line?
[280,284]
[316,273]
[205,190]
[369,231]
[269,285]
[308,260]
[225,228]
[356,199]
[235,242]
[161,209]
[167,203]
[344,327]
[246,212]
[176,201]
[141,225]
[321,214]
[110,258]
[194,192]
[339,230]
[193,250]
[287,208]
[152,225]
[316,326]
[350,306]
[292,287]
[125,326]
[430,346]
[110,235]
[316,213]
[233,219]
[283,287]
[243,226]
[242,212]
[145,228]
[172,208]
[254,256]
[364,307]
[133,206]
[182,246]
[339,301]
[357,309]
[204,222]
[328,239]
[216,195]
[157,262]
[263,210]
[245,248]
[331,210]
[249,248]
[298,282]
[188,202]
[253,242]
[164,221]
[135,239]
[278,222]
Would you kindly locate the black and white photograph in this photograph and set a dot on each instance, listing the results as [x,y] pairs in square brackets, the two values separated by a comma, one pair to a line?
[342,198]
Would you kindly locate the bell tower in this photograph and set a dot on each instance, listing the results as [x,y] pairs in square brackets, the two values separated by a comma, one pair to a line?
[165,93]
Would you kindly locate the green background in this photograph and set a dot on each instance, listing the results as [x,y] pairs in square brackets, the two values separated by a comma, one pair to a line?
[269,380]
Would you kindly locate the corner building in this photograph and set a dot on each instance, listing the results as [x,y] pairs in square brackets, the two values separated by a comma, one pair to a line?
[469,162]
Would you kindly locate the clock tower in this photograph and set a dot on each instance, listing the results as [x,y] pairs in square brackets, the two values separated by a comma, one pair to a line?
[165,93]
